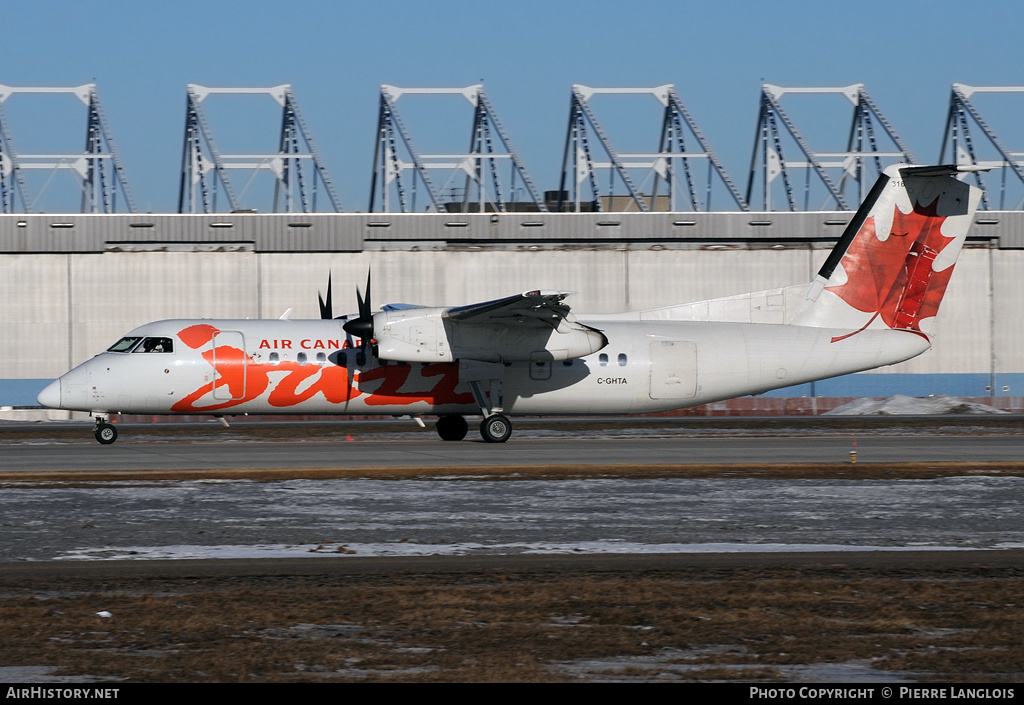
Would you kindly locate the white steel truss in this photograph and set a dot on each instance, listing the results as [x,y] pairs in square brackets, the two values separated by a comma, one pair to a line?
[478,170]
[97,168]
[964,149]
[297,166]
[862,150]
[669,167]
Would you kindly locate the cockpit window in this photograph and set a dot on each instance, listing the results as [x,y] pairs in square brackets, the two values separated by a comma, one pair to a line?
[155,345]
[125,344]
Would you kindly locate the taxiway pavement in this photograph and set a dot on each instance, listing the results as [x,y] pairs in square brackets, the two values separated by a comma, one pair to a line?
[138,450]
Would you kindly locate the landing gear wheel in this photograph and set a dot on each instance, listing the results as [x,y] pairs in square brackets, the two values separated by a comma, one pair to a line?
[452,427]
[496,429]
[105,433]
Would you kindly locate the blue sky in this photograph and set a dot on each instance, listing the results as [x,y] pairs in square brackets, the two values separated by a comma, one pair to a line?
[336,55]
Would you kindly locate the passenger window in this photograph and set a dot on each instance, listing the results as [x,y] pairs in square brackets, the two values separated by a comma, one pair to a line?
[301,358]
[274,358]
[603,360]
[622,359]
[321,359]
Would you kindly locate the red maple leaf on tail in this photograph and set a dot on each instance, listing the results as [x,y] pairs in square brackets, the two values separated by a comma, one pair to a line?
[894,278]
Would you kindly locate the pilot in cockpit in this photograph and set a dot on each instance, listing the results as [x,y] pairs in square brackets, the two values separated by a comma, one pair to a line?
[156,345]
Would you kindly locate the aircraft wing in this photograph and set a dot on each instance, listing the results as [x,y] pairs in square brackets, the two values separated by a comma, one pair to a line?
[545,306]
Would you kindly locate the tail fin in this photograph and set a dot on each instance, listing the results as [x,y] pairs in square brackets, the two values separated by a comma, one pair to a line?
[892,264]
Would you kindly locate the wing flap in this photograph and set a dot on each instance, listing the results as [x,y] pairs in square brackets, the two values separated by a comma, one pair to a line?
[544,306]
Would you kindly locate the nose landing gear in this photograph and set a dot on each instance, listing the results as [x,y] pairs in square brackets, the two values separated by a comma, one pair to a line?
[106,433]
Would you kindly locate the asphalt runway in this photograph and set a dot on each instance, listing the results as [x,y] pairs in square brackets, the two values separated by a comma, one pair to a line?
[299,445]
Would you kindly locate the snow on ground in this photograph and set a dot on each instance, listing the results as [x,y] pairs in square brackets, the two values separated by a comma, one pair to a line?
[900,405]
[363,517]
[409,549]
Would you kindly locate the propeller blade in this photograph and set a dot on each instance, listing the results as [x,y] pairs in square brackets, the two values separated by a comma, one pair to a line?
[362,327]
[369,309]
[348,336]
[326,309]
[349,367]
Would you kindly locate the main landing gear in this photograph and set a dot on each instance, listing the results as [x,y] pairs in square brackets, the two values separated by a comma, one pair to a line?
[452,427]
[106,433]
[494,429]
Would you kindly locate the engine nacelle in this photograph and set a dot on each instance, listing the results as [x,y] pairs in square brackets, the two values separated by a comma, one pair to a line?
[414,335]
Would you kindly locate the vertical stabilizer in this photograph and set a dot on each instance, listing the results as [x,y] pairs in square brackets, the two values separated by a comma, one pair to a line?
[891,266]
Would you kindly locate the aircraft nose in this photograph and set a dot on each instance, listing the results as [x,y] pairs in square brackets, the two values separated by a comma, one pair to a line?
[50,396]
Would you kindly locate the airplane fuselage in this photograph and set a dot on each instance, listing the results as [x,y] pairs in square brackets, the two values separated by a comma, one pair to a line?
[308,367]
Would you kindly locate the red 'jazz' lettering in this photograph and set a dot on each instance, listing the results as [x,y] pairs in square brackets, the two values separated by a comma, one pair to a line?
[290,383]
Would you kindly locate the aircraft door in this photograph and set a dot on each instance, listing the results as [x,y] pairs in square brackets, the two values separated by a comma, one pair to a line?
[673,369]
[230,362]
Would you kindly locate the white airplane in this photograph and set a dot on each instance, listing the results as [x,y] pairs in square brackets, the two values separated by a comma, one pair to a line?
[529,353]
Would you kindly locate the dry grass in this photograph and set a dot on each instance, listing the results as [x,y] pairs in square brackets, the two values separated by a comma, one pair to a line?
[513,623]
